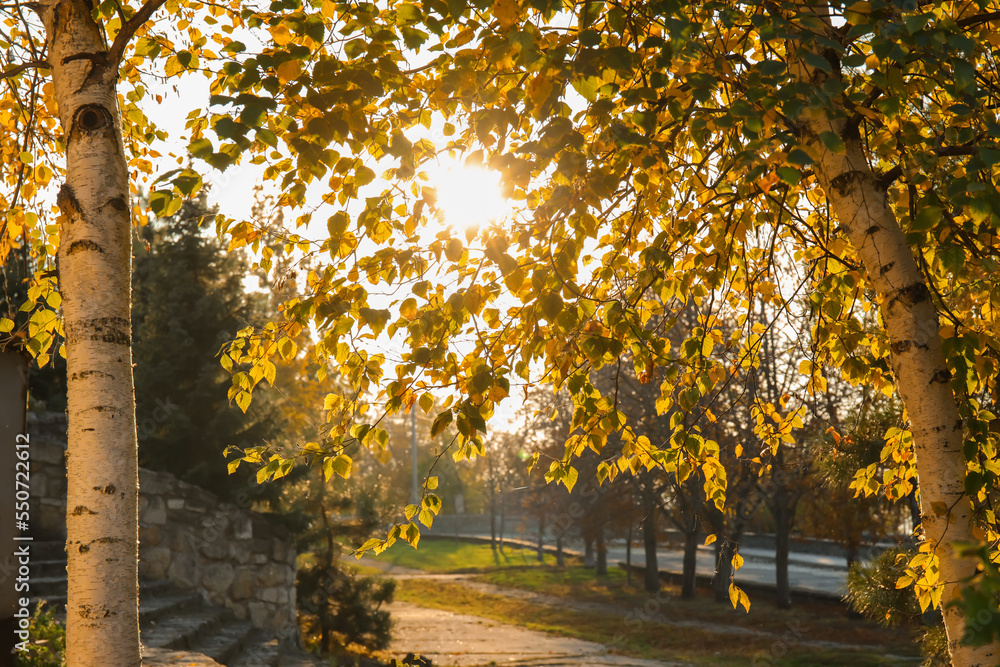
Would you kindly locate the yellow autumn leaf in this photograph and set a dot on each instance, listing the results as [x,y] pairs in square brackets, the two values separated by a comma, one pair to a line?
[507,12]
[280,34]
[289,70]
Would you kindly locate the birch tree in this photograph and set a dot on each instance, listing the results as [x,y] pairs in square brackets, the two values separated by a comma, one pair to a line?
[662,149]
[75,149]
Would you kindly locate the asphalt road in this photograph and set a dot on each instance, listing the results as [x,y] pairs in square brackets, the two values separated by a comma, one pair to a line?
[807,573]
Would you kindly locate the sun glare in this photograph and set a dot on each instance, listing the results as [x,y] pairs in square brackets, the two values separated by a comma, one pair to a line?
[469,196]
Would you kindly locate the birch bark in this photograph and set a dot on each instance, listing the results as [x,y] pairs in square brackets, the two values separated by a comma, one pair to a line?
[910,318]
[94,263]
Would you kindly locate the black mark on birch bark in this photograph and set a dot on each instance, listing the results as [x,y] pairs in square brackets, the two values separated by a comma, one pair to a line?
[900,346]
[942,376]
[94,612]
[66,200]
[84,548]
[101,408]
[903,346]
[80,510]
[86,244]
[842,183]
[119,203]
[116,330]
[911,295]
[83,375]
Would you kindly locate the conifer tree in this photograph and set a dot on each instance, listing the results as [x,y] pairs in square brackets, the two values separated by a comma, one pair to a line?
[189,300]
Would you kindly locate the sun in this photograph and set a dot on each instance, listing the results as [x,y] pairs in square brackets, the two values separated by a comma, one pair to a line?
[468,196]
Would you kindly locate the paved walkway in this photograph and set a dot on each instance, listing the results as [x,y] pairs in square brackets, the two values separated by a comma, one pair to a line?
[461,640]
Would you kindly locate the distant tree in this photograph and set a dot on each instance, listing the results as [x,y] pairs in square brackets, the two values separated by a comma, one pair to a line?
[190,299]
[343,608]
[841,513]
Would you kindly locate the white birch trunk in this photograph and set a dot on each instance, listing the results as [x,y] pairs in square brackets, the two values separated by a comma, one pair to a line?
[918,363]
[922,377]
[94,263]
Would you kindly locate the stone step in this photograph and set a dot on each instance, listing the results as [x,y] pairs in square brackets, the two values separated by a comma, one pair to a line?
[44,550]
[168,602]
[150,587]
[175,623]
[184,632]
[161,657]
[55,597]
[48,587]
[295,657]
[229,641]
[258,654]
[47,568]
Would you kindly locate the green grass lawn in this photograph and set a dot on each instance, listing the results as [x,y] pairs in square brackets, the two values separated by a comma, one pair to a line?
[448,555]
[636,633]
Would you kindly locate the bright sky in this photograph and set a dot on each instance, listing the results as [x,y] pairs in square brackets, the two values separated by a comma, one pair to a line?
[469,196]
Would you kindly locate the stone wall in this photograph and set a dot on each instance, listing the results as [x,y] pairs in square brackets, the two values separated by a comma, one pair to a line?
[232,555]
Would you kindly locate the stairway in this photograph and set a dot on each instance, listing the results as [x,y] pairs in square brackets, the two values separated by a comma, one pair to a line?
[175,619]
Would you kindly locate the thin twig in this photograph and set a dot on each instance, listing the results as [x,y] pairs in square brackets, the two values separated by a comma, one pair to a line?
[129,29]
[17,69]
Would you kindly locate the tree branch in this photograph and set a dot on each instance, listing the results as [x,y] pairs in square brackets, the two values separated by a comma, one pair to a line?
[14,71]
[855,121]
[129,29]
[978,19]
[886,179]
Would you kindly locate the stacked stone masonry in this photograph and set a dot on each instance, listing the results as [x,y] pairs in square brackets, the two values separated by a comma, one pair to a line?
[230,554]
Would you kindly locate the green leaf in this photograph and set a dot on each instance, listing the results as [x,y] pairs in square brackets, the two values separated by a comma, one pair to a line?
[974,482]
[441,423]
[833,142]
[927,217]
[200,148]
[799,157]
[817,61]
[789,175]
[267,136]
[587,87]
[965,74]
[551,305]
[590,37]
[989,156]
